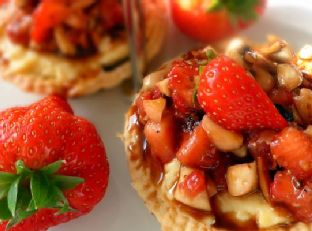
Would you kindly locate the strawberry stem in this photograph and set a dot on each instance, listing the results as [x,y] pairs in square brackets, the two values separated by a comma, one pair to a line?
[239,10]
[24,193]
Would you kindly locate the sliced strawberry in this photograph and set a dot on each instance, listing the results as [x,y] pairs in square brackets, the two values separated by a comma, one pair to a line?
[182,85]
[161,137]
[286,189]
[292,150]
[197,150]
[233,98]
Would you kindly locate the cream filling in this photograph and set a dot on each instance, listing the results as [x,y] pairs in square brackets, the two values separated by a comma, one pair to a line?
[252,206]
[23,61]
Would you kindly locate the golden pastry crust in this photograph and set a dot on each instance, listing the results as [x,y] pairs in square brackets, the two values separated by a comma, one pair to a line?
[170,216]
[48,73]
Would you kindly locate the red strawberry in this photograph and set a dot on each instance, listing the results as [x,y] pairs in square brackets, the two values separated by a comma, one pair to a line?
[233,98]
[297,197]
[292,150]
[197,150]
[70,155]
[182,85]
[194,183]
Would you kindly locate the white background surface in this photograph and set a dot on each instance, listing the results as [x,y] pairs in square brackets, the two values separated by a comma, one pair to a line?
[122,209]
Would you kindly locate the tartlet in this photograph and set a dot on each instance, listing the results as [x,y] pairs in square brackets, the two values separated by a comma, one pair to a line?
[78,54]
[222,141]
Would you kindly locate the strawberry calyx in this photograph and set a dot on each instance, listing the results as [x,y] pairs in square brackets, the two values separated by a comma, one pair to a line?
[238,10]
[24,193]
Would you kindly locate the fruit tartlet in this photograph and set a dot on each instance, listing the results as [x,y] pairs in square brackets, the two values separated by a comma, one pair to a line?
[223,141]
[70,47]
[53,166]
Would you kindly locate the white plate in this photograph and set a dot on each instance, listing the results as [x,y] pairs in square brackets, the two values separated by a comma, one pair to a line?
[122,209]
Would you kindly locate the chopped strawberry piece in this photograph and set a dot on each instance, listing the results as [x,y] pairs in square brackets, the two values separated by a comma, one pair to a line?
[286,189]
[197,150]
[47,15]
[193,183]
[182,85]
[161,137]
[234,99]
[292,150]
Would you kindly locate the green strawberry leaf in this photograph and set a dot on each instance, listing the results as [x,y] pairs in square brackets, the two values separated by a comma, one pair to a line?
[52,168]
[239,10]
[215,5]
[21,168]
[210,53]
[39,187]
[31,206]
[6,179]
[20,215]
[12,196]
[66,182]
[5,213]
[22,194]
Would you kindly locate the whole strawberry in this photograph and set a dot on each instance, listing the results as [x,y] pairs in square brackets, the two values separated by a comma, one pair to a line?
[53,166]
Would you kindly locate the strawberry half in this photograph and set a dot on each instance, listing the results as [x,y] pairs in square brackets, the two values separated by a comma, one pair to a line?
[53,166]
[233,98]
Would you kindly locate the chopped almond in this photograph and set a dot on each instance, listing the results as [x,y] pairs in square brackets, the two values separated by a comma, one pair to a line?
[164,87]
[224,140]
[242,179]
[240,152]
[154,108]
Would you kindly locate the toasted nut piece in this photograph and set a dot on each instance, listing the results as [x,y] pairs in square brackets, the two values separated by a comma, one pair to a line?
[170,178]
[242,179]
[235,50]
[264,178]
[289,76]
[258,59]
[200,201]
[305,52]
[150,80]
[303,104]
[241,152]
[224,140]
[296,115]
[271,47]
[285,55]
[264,78]
[154,108]
[163,86]
[308,131]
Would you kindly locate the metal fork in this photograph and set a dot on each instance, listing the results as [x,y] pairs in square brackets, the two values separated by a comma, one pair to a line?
[136,37]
